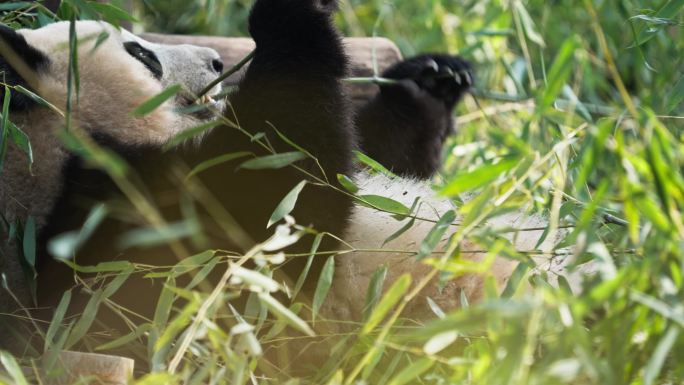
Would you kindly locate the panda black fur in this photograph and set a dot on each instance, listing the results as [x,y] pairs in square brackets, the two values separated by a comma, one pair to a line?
[293,84]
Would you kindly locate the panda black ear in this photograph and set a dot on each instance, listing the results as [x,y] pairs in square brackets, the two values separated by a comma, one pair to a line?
[19,63]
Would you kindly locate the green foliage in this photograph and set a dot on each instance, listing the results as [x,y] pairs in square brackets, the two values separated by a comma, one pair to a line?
[577,114]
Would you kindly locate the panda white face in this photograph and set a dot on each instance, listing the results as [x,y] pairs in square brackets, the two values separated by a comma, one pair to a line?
[117,72]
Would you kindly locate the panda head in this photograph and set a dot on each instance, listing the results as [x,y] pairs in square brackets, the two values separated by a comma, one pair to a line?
[117,71]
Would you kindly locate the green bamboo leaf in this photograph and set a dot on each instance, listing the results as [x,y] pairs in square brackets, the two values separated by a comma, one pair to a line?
[435,235]
[254,278]
[560,71]
[111,13]
[440,342]
[15,5]
[391,298]
[406,226]
[29,241]
[101,38]
[73,76]
[374,291]
[347,183]
[136,334]
[151,236]
[305,272]
[180,322]
[528,24]
[102,267]
[676,95]
[401,231]
[193,262]
[275,161]
[479,177]
[323,287]
[57,318]
[280,325]
[286,206]
[668,11]
[203,273]
[12,368]
[207,164]
[4,127]
[285,314]
[117,282]
[22,141]
[655,363]
[412,371]
[436,308]
[384,204]
[152,103]
[515,280]
[87,317]
[374,165]
[39,100]
[65,245]
[164,305]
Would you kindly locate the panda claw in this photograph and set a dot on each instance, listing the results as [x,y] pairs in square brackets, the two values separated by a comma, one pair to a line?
[468,78]
[432,65]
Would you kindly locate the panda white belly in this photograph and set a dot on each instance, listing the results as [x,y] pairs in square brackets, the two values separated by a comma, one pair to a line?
[369,229]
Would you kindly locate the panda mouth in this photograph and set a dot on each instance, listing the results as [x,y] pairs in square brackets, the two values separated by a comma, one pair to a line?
[203,108]
[206,99]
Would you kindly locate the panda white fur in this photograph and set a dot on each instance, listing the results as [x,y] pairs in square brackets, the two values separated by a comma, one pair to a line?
[292,84]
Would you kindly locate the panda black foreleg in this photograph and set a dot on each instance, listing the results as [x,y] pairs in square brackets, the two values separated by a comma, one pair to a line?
[293,81]
[292,85]
[405,125]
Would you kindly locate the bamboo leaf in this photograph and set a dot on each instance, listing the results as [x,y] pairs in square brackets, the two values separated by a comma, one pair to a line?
[285,314]
[412,371]
[435,235]
[374,291]
[275,161]
[479,177]
[29,241]
[655,363]
[39,100]
[374,165]
[391,298]
[83,324]
[22,141]
[57,318]
[12,368]
[676,95]
[305,272]
[384,204]
[286,206]
[154,102]
[207,164]
[347,183]
[323,287]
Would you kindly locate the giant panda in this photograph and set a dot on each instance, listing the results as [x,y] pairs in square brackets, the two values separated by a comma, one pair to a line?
[290,98]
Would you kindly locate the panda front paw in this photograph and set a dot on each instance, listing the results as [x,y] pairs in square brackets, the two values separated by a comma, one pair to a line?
[444,77]
[299,21]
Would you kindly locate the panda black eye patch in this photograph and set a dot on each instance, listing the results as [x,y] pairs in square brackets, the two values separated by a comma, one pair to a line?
[145,56]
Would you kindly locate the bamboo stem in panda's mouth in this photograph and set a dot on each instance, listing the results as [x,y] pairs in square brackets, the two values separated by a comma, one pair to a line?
[226,74]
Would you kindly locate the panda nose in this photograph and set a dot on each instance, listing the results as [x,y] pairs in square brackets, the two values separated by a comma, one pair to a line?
[217,65]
